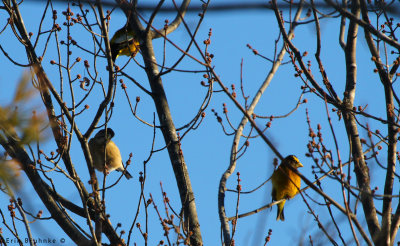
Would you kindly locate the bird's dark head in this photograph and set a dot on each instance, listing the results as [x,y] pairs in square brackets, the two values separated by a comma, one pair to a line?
[102,133]
[293,160]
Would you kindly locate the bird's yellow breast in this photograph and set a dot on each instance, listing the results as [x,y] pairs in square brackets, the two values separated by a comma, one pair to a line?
[129,50]
[285,183]
[112,156]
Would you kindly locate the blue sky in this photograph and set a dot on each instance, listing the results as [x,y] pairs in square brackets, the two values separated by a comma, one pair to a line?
[207,149]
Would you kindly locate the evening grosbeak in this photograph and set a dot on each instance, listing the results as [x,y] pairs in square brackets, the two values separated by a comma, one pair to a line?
[285,183]
[112,157]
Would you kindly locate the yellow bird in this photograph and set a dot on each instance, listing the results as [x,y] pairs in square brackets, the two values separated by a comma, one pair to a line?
[112,157]
[124,43]
[285,183]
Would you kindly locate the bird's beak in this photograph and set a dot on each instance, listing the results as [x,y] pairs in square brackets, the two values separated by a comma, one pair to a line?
[299,164]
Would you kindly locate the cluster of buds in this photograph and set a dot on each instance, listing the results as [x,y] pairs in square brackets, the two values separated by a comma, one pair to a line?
[268,237]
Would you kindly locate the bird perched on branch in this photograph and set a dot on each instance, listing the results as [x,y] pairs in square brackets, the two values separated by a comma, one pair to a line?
[112,156]
[285,183]
[124,43]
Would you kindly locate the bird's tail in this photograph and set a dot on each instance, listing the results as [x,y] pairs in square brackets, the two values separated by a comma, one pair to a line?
[280,214]
[127,174]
